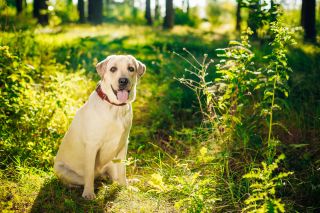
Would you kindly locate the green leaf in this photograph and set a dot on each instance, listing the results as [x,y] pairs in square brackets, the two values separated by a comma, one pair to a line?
[298,145]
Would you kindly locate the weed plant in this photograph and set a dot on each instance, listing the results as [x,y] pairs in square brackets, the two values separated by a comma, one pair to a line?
[241,104]
[46,74]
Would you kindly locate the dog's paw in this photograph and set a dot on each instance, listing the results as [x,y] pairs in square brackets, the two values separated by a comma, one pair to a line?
[133,181]
[88,195]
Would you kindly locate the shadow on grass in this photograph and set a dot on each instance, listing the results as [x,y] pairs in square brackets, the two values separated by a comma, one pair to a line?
[56,197]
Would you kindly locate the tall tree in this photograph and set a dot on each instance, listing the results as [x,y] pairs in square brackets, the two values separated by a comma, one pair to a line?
[95,11]
[308,20]
[19,6]
[36,11]
[82,18]
[169,17]
[302,15]
[148,12]
[157,11]
[238,16]
[40,11]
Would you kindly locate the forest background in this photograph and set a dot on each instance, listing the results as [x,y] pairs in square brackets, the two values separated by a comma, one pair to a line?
[227,117]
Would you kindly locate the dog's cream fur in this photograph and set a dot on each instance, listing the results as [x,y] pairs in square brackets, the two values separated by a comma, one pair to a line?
[97,140]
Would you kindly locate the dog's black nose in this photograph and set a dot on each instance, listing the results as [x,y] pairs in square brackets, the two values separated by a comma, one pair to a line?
[123,81]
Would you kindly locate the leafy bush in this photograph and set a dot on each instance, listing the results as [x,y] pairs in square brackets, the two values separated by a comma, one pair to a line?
[220,12]
[35,112]
[243,98]
[184,18]
[192,191]
[261,15]
[62,12]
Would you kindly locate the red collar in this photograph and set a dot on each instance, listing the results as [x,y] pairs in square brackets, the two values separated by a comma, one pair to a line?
[104,96]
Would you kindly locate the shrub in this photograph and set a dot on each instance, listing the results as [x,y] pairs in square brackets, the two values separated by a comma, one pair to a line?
[35,112]
[192,191]
[243,99]
[184,18]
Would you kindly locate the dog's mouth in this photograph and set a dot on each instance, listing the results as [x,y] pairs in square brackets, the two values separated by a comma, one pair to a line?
[121,94]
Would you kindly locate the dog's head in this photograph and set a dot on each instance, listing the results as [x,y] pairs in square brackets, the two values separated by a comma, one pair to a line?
[119,75]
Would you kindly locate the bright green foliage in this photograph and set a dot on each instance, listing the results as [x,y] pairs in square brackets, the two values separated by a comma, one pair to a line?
[63,11]
[13,78]
[36,109]
[157,183]
[192,191]
[233,90]
[46,75]
[184,18]
[196,193]
[244,96]
[264,184]
[261,14]
[276,77]
[218,12]
[252,94]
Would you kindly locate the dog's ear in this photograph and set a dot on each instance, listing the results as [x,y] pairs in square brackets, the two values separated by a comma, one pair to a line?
[102,65]
[141,68]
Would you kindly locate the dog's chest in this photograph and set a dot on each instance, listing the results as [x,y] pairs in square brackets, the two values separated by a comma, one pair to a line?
[114,138]
[114,130]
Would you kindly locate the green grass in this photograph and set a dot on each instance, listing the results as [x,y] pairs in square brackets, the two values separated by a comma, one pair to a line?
[164,138]
[38,191]
[76,49]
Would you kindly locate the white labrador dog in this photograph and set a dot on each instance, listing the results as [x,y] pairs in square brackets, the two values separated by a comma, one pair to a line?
[97,140]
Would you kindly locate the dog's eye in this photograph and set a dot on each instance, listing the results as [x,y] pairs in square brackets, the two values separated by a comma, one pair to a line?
[113,69]
[131,69]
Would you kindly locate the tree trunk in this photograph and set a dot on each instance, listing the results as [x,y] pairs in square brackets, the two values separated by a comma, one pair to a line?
[238,16]
[40,11]
[82,18]
[302,17]
[308,20]
[19,6]
[157,11]
[95,11]
[169,17]
[35,8]
[148,13]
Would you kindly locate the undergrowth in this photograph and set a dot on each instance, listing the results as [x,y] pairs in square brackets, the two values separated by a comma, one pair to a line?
[37,106]
[231,161]
[240,106]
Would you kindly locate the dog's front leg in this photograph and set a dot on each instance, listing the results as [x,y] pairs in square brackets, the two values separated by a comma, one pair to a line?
[121,166]
[89,164]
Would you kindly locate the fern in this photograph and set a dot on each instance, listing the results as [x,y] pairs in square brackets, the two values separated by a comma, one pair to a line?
[263,186]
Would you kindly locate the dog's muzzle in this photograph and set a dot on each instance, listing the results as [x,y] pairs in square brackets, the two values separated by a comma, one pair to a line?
[122,94]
